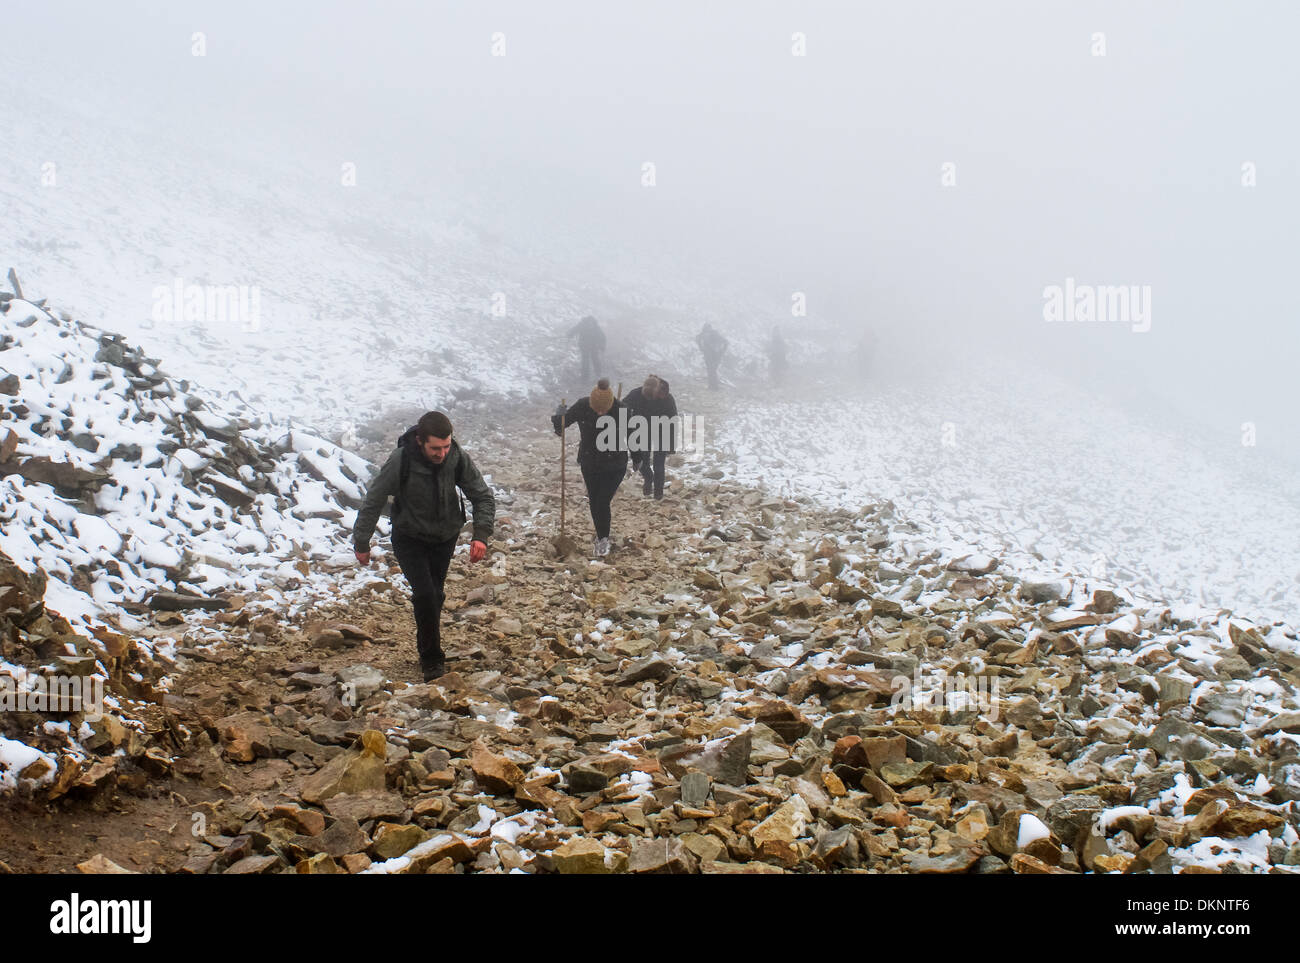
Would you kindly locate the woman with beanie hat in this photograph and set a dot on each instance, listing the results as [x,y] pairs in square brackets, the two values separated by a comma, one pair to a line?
[601,454]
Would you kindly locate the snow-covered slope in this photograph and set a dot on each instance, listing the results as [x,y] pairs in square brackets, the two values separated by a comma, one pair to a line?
[1044,477]
[119,481]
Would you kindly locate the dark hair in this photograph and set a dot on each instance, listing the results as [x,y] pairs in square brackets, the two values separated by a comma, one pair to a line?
[432,424]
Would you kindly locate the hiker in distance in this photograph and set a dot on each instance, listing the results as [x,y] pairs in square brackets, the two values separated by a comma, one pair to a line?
[602,454]
[713,346]
[422,475]
[652,417]
[591,342]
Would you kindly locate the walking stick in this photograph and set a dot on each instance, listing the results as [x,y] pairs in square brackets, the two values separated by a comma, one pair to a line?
[565,405]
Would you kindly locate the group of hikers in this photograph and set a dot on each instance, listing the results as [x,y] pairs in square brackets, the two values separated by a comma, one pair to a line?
[612,431]
[429,476]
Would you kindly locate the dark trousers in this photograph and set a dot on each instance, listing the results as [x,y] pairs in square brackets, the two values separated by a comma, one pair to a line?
[712,367]
[602,482]
[425,566]
[652,471]
[591,362]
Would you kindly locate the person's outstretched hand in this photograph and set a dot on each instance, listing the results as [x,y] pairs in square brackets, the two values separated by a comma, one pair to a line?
[477,550]
[363,558]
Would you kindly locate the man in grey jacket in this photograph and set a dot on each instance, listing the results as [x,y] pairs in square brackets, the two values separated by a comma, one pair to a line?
[422,475]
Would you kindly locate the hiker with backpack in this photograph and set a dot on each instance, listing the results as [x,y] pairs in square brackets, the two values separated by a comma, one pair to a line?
[422,475]
[602,455]
[654,406]
[591,343]
[713,346]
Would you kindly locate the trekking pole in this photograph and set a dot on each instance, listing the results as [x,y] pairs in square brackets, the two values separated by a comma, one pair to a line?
[565,405]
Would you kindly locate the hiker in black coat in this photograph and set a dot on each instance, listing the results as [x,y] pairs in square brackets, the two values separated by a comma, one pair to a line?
[602,454]
[654,438]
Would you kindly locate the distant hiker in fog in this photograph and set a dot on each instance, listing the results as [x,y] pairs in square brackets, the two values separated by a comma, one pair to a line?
[591,343]
[602,454]
[653,439]
[713,346]
[422,475]
[776,363]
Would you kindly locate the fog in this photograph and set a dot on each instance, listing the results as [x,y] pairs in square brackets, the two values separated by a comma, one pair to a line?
[822,173]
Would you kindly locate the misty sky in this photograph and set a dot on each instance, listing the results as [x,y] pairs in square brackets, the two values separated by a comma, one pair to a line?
[818,173]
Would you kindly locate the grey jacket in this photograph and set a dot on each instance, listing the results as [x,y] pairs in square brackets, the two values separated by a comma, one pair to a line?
[428,506]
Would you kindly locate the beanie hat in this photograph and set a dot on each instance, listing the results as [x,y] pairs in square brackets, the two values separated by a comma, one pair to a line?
[602,399]
[651,386]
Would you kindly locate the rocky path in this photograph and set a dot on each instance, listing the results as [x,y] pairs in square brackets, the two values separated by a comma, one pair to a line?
[724,693]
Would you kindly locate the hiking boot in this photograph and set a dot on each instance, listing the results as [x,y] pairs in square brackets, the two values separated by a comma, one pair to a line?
[435,669]
[601,548]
